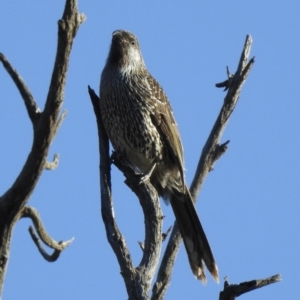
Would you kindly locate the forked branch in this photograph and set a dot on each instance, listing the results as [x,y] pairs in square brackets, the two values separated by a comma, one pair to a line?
[137,280]
[45,126]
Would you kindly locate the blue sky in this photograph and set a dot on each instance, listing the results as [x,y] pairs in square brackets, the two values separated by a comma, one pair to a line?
[249,205]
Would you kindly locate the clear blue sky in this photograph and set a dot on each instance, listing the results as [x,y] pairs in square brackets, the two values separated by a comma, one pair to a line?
[249,204]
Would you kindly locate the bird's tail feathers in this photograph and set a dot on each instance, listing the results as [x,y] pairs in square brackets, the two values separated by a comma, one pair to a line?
[194,238]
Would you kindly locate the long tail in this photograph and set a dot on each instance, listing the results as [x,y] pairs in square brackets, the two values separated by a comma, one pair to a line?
[194,238]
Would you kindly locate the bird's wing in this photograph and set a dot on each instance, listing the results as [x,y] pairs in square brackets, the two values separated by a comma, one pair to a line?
[165,123]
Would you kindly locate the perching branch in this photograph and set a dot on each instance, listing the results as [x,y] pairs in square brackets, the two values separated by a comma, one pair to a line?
[232,291]
[113,233]
[45,125]
[210,153]
[30,212]
[137,280]
[153,220]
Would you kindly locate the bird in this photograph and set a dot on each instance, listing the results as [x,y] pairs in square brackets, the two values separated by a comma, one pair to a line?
[139,121]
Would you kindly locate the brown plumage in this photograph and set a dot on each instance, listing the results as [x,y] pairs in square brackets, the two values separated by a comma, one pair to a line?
[139,121]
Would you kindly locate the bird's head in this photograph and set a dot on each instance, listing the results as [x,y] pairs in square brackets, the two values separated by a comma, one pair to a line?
[125,52]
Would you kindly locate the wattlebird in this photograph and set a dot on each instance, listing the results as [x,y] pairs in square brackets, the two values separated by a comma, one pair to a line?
[139,121]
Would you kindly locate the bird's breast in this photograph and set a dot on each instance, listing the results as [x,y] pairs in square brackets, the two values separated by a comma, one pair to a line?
[127,121]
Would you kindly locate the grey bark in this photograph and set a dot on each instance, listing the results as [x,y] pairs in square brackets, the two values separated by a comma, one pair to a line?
[45,125]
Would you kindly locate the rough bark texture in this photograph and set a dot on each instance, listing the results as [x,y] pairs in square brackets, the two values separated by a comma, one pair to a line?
[45,125]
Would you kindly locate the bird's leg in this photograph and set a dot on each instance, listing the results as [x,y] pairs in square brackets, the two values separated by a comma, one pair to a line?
[146,176]
[139,178]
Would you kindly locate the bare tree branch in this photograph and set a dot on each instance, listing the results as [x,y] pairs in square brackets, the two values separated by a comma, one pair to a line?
[113,233]
[219,151]
[232,291]
[30,212]
[45,127]
[230,101]
[137,280]
[48,257]
[164,274]
[153,220]
[31,106]
[67,29]
[21,189]
[210,153]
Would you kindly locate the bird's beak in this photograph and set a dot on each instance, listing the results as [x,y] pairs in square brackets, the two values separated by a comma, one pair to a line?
[116,32]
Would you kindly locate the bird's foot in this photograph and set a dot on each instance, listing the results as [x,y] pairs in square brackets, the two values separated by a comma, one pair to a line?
[146,176]
[133,175]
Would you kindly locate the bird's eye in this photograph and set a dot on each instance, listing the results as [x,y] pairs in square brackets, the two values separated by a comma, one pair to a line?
[132,43]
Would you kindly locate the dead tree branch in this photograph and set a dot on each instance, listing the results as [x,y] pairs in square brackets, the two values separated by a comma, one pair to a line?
[31,106]
[210,153]
[30,212]
[113,233]
[137,280]
[45,126]
[232,291]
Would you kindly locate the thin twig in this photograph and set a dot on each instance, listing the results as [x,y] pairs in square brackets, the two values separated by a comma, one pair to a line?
[31,106]
[48,257]
[207,156]
[68,26]
[32,213]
